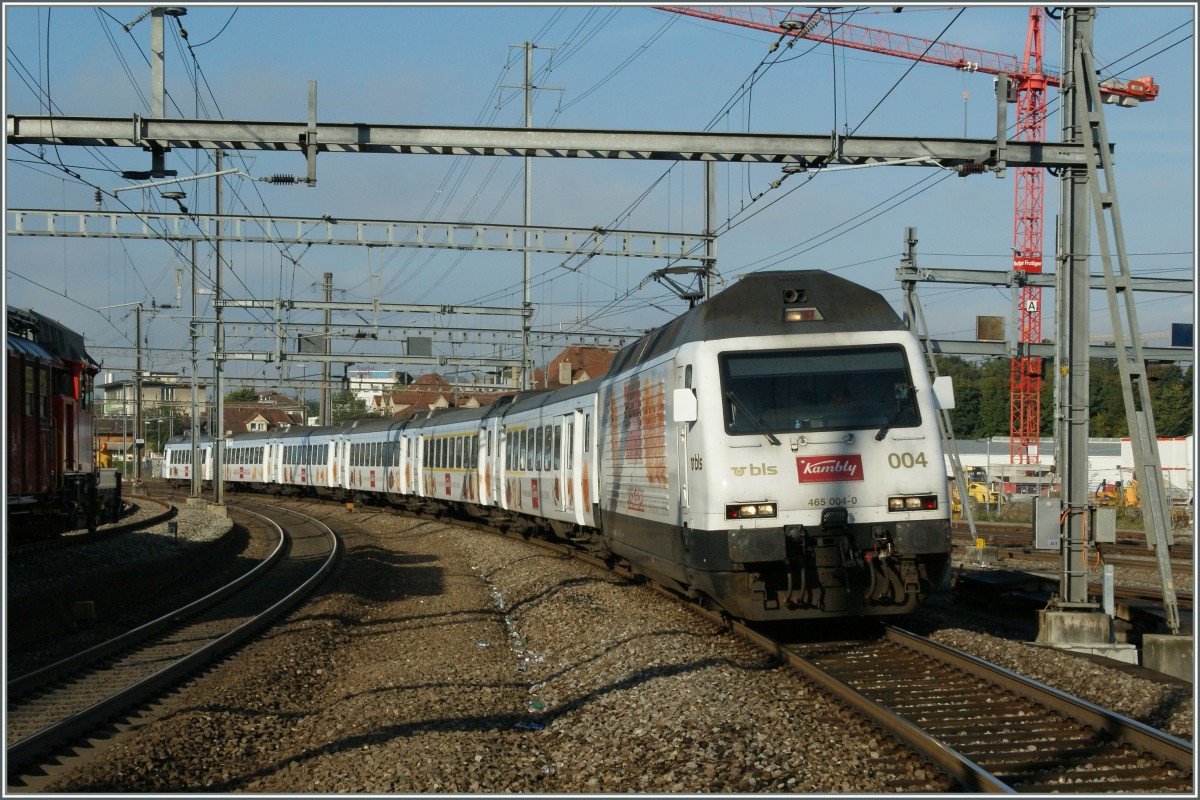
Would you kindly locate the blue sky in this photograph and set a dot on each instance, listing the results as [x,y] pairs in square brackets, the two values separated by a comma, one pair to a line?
[606,67]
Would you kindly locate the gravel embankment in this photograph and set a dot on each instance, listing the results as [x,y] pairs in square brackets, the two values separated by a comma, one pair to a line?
[438,659]
[59,602]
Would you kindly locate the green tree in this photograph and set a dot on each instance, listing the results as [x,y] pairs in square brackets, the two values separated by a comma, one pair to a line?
[1172,399]
[1106,400]
[994,407]
[965,416]
[242,396]
[347,406]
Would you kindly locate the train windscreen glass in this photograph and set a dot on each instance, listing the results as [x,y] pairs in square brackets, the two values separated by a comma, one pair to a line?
[847,388]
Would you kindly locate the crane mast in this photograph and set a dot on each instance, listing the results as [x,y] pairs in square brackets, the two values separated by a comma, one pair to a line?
[1030,82]
[1025,378]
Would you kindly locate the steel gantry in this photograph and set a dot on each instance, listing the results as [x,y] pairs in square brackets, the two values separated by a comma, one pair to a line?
[1021,80]
[1081,158]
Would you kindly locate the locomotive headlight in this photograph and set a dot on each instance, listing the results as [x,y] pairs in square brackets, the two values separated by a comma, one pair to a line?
[750,510]
[802,315]
[923,502]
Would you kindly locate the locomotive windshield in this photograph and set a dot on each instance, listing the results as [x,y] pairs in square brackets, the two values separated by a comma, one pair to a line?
[813,390]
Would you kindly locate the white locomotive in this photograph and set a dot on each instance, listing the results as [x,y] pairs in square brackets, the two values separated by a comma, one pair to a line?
[773,452]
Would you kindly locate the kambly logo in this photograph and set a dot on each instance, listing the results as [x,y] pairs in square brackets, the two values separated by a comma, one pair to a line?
[827,469]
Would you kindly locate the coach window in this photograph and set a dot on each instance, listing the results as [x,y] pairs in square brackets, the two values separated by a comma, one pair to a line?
[571,444]
[87,391]
[538,442]
[557,446]
[44,389]
[587,433]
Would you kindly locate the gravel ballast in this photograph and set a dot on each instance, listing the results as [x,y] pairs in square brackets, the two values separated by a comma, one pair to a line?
[440,659]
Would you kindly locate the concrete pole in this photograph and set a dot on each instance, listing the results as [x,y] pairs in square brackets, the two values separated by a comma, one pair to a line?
[137,401]
[157,82]
[326,411]
[527,304]
[195,472]
[1072,284]
[217,425]
[710,229]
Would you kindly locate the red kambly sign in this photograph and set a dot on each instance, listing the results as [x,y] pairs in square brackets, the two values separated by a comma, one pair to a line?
[829,469]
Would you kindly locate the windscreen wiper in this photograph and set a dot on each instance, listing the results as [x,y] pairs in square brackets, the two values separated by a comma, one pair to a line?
[909,394]
[758,426]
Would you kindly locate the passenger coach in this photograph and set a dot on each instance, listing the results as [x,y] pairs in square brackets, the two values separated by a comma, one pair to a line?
[774,452]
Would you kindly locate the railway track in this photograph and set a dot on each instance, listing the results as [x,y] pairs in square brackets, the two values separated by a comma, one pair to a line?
[158,512]
[53,707]
[1129,543]
[988,728]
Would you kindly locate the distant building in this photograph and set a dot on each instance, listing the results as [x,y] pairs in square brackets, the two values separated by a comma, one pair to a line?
[268,412]
[427,393]
[368,383]
[574,365]
[159,390]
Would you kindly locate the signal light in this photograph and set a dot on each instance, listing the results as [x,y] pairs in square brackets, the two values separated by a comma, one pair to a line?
[750,510]
[805,314]
[924,502]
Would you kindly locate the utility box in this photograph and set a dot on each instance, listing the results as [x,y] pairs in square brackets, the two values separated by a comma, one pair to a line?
[1103,524]
[1047,532]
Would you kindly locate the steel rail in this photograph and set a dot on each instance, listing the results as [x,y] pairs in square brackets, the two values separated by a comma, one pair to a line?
[77,724]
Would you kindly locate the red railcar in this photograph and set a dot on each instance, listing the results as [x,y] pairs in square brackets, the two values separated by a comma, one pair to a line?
[52,479]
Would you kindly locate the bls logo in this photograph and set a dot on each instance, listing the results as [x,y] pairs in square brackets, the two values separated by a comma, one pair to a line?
[755,470]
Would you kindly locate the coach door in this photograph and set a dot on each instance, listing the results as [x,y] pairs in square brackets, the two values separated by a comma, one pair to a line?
[683,377]
[576,474]
[560,455]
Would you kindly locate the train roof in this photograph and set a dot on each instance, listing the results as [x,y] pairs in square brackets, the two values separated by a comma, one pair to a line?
[536,398]
[30,349]
[371,425]
[52,335]
[755,306]
[447,416]
[183,438]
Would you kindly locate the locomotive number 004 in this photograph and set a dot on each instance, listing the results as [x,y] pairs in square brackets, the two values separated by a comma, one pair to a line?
[822,502]
[906,460]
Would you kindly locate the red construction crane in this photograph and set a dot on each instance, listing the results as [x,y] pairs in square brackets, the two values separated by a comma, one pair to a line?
[1030,83]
